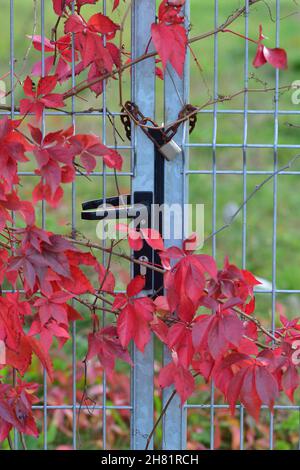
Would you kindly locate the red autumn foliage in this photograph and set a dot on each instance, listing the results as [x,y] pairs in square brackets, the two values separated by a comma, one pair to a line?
[205,316]
[116,4]
[135,315]
[180,377]
[13,147]
[61,51]
[40,97]
[59,6]
[55,154]
[88,147]
[135,237]
[105,344]
[15,409]
[169,35]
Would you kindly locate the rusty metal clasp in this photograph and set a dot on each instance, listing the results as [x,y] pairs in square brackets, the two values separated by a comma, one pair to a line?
[162,138]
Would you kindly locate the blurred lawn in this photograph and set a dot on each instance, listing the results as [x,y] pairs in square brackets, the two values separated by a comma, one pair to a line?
[230,130]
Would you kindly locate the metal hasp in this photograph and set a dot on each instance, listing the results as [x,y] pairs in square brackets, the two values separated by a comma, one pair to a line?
[137,208]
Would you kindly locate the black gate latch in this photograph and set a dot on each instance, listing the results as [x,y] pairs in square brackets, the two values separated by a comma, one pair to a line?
[137,208]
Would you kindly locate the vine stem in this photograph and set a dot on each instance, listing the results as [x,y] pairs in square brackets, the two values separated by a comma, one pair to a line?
[252,194]
[54,31]
[258,324]
[239,35]
[221,99]
[10,444]
[162,414]
[104,299]
[196,110]
[120,255]
[23,441]
[94,307]
[106,273]
[164,410]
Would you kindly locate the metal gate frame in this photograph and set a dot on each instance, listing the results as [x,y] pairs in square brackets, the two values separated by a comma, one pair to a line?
[143,94]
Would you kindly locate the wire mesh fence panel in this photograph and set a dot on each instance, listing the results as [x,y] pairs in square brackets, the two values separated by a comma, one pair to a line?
[82,408]
[239,141]
[242,137]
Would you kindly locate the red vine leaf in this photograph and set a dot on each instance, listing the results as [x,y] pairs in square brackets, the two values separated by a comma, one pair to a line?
[16,408]
[13,147]
[134,237]
[104,25]
[277,57]
[40,97]
[134,319]
[106,346]
[170,42]
[153,238]
[169,35]
[217,332]
[182,379]
[42,355]
[88,147]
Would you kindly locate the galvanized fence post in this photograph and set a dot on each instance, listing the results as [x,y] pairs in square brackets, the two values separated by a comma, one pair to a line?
[176,93]
[143,94]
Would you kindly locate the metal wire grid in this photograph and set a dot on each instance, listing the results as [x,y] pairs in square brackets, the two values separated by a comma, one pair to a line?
[104,174]
[213,145]
[178,419]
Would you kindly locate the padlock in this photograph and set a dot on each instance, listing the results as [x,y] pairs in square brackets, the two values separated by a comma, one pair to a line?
[162,138]
[170,150]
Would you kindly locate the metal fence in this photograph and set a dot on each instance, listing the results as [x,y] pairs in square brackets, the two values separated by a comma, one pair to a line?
[215,148]
[140,176]
[101,179]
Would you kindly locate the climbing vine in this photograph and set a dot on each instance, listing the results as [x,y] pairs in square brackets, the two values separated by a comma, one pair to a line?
[205,314]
